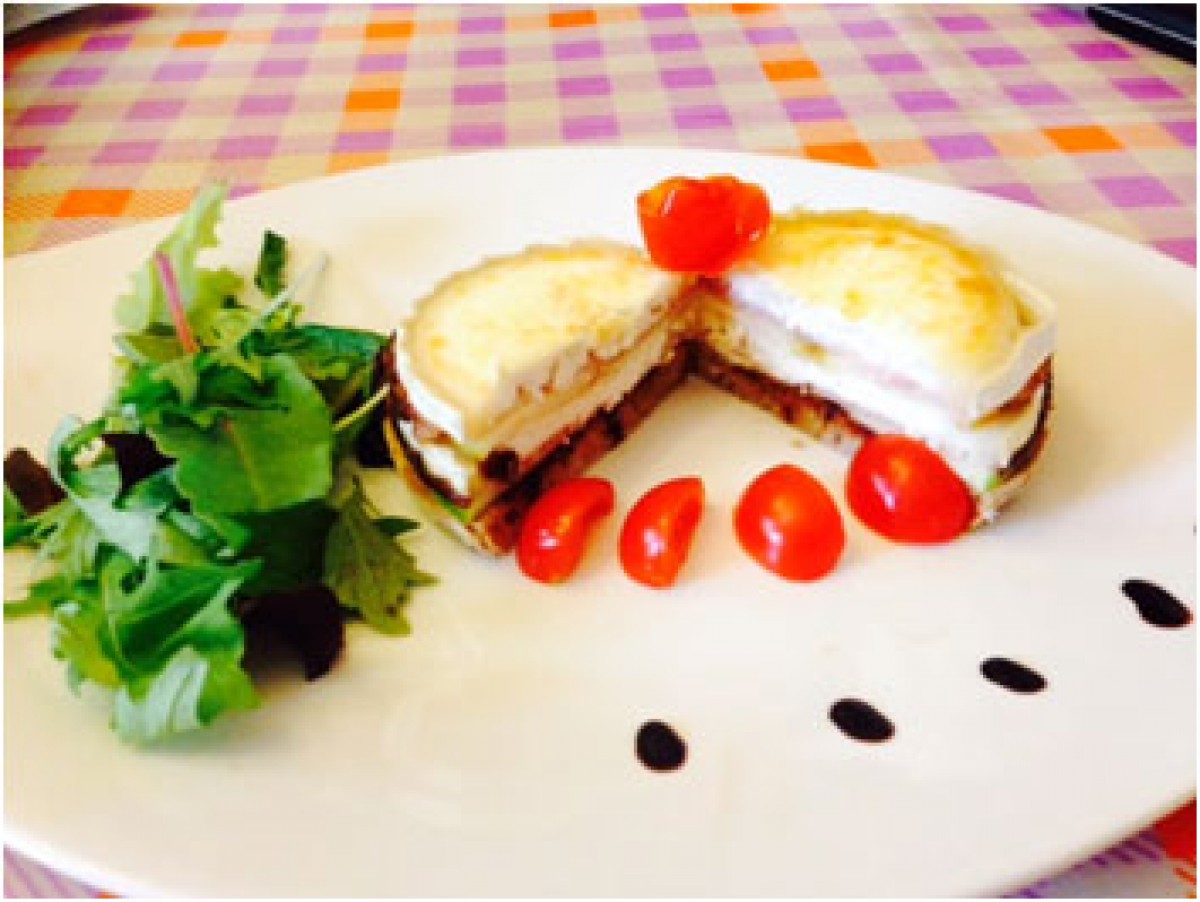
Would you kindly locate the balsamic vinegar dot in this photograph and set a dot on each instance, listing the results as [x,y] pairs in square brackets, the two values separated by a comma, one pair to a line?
[659,747]
[1012,675]
[1157,606]
[861,721]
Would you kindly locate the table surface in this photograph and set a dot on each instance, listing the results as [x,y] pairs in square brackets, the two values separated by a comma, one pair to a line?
[114,115]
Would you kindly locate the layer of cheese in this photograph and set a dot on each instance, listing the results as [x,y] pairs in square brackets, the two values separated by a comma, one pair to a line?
[764,343]
[933,317]
[529,428]
[519,330]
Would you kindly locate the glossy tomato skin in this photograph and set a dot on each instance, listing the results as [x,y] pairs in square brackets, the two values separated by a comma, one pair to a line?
[1177,832]
[787,521]
[659,530]
[702,225]
[555,532]
[904,491]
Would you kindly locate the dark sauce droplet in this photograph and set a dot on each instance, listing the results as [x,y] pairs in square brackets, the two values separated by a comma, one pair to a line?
[1012,676]
[861,721]
[659,747]
[1157,606]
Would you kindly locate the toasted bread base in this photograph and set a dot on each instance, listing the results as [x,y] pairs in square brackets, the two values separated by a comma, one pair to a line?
[496,528]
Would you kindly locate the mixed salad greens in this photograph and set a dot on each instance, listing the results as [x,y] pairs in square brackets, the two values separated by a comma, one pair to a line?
[215,490]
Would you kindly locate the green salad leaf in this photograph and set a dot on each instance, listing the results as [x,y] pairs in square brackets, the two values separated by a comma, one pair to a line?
[176,645]
[18,526]
[216,474]
[367,569]
[250,448]
[204,291]
[94,490]
[271,261]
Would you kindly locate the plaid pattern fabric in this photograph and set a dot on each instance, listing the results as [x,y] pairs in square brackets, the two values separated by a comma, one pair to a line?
[116,114]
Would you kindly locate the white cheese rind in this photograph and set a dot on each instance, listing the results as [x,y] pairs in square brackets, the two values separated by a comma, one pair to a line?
[555,416]
[964,399]
[757,340]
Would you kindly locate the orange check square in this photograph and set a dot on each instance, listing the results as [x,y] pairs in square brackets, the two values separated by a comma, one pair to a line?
[790,70]
[849,153]
[572,18]
[1082,139]
[201,39]
[84,202]
[383,31]
[373,100]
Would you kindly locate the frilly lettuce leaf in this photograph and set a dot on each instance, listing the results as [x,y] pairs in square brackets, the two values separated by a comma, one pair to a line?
[204,291]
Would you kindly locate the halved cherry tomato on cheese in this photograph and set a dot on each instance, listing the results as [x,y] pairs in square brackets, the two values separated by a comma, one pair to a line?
[659,529]
[555,532]
[788,522]
[702,225]
[904,491]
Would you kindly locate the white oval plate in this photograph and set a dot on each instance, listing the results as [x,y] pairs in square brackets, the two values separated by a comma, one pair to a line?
[493,752]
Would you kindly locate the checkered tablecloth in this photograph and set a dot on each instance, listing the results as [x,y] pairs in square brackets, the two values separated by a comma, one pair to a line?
[114,114]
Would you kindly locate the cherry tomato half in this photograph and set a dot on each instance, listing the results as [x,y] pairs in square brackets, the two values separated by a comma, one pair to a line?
[1177,832]
[904,491]
[787,521]
[702,225]
[659,529]
[555,532]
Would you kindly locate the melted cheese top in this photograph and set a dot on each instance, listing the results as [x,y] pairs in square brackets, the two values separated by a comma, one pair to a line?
[519,328]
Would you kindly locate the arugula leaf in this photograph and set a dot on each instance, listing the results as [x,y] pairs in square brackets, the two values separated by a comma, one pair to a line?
[40,598]
[368,570]
[271,261]
[226,335]
[327,353]
[94,491]
[18,526]
[96,512]
[176,645]
[252,459]
[80,638]
[181,376]
[340,361]
[156,609]
[182,537]
[69,539]
[189,692]
[25,607]
[155,345]
[203,290]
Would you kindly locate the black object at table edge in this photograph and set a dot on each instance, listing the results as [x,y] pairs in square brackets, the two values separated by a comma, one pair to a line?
[1167,28]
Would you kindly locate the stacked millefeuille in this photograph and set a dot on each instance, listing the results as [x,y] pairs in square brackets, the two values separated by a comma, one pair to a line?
[516,375]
